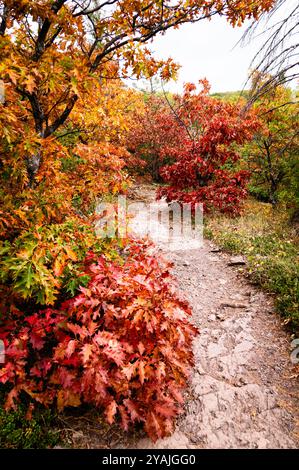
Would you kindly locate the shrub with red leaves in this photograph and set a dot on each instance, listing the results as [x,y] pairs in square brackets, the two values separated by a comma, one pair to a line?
[198,139]
[153,129]
[123,344]
[194,180]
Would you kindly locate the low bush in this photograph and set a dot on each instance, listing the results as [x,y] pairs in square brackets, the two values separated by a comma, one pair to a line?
[123,343]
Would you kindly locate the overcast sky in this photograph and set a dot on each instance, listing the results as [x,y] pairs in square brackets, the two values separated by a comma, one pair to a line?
[213,50]
[207,49]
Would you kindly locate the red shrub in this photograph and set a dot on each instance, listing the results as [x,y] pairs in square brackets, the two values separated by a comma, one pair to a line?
[149,137]
[193,179]
[123,344]
[195,148]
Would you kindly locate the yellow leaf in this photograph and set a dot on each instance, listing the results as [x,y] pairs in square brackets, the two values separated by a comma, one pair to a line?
[58,266]
[71,254]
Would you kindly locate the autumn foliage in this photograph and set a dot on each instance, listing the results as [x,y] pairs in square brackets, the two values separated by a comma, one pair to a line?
[195,145]
[153,129]
[123,344]
[273,156]
[86,319]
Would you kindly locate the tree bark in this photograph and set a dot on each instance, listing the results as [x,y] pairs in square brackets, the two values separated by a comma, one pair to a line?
[3,23]
[271,177]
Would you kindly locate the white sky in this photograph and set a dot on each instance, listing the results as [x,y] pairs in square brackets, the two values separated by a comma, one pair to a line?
[212,49]
[207,50]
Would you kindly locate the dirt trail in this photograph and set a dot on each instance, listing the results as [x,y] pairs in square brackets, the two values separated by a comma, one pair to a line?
[242,394]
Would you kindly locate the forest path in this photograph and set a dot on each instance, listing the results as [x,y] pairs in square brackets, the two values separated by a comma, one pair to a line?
[242,393]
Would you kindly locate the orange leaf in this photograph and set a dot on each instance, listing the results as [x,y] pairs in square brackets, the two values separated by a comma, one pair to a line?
[111,411]
[141,371]
[86,352]
[71,254]
[59,265]
[66,398]
[70,348]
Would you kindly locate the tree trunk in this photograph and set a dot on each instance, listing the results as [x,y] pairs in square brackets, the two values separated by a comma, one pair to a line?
[33,165]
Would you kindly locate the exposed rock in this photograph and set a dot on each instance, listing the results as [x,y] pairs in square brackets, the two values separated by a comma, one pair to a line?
[230,304]
[185,263]
[220,316]
[178,440]
[215,250]
[237,261]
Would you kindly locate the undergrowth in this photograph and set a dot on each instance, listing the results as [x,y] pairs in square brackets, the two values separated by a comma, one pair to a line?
[24,428]
[264,235]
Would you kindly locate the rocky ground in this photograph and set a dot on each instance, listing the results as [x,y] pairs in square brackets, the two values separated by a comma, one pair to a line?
[244,393]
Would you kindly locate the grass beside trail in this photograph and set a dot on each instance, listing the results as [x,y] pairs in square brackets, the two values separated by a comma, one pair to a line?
[270,244]
[24,428]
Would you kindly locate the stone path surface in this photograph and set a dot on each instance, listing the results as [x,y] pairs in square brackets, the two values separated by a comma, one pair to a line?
[242,394]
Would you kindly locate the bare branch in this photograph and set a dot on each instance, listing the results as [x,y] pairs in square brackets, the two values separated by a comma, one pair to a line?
[96,9]
[278,56]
